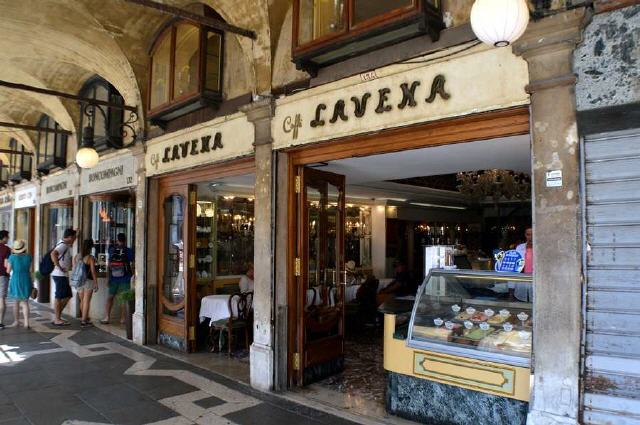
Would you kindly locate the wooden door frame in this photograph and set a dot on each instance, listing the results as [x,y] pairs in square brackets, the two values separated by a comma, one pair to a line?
[482,126]
[183,179]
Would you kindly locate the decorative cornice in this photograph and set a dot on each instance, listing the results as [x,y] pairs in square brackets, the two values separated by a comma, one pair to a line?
[261,109]
[564,80]
[555,32]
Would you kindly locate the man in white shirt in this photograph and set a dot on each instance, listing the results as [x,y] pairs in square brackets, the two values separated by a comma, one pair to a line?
[246,281]
[61,257]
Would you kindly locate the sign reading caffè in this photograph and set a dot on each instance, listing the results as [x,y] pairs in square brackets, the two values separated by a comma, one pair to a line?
[219,139]
[402,95]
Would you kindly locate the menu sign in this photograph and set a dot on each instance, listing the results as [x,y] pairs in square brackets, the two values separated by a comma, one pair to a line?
[219,139]
[109,175]
[26,196]
[57,187]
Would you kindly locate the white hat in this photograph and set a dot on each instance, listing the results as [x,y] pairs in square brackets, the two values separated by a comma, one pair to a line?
[19,246]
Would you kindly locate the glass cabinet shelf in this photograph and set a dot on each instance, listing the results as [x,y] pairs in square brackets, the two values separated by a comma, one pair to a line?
[474,314]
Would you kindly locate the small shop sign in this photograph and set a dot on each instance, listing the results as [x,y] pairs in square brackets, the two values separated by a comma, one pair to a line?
[509,261]
[26,196]
[109,175]
[57,187]
[216,140]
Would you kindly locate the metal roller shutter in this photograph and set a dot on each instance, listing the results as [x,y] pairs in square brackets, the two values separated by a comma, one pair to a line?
[612,340]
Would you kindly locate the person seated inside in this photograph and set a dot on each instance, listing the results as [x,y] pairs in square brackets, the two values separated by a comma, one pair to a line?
[402,284]
[246,281]
[352,276]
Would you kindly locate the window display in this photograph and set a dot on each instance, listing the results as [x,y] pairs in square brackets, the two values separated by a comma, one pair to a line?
[470,314]
[110,216]
[5,219]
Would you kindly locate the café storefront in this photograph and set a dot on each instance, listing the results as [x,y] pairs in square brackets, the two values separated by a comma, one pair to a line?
[395,140]
[200,221]
[24,204]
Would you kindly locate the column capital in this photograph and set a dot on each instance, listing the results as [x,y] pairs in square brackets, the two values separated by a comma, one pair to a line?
[260,114]
[553,33]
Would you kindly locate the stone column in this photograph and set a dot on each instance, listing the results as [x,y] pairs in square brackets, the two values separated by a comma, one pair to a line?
[139,328]
[547,46]
[262,350]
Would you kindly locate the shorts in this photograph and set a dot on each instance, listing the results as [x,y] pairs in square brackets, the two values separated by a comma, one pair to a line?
[63,289]
[119,285]
[87,286]
[4,286]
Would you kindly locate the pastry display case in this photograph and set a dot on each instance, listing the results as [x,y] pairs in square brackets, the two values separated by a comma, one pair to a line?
[472,314]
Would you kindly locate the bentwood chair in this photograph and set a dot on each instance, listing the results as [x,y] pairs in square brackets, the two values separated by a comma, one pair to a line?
[240,319]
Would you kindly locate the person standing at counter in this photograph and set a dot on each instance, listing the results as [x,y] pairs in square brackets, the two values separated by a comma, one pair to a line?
[519,291]
[61,258]
[120,272]
[5,252]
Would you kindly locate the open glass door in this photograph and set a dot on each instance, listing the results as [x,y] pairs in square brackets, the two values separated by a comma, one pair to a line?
[321,279]
[176,268]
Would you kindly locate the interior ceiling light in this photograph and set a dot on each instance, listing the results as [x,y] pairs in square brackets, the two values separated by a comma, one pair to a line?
[499,22]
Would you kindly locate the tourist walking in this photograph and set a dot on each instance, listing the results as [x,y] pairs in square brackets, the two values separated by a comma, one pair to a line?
[5,252]
[20,283]
[61,258]
[90,284]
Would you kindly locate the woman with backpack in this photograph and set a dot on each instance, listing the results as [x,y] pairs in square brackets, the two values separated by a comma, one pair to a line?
[20,284]
[88,283]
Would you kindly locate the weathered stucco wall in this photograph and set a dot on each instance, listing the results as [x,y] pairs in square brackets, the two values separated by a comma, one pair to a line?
[608,61]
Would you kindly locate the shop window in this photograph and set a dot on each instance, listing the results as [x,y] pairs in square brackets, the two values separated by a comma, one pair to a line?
[19,162]
[110,215]
[51,147]
[56,218]
[4,174]
[329,31]
[186,70]
[105,121]
[173,280]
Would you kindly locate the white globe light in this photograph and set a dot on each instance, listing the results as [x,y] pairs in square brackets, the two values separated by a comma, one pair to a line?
[87,157]
[499,22]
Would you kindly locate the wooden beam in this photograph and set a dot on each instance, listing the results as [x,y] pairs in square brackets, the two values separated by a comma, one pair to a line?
[35,128]
[195,18]
[25,87]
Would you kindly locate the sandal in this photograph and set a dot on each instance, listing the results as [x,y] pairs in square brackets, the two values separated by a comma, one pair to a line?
[60,324]
[104,322]
[86,324]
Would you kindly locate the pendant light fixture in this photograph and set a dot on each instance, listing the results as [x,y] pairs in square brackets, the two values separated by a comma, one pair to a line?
[499,22]
[87,157]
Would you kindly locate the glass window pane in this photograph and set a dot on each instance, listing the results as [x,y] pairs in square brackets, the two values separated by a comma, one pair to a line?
[160,73]
[319,18]
[98,119]
[214,51]
[367,9]
[173,282]
[187,55]
[108,218]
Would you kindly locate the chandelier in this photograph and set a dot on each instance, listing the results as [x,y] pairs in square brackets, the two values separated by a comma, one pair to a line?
[496,184]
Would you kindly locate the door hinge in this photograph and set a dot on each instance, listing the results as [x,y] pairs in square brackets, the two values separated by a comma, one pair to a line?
[192,261]
[192,197]
[298,184]
[192,333]
[297,267]
[296,361]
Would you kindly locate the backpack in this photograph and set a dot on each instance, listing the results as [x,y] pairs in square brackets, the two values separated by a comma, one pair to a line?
[46,263]
[78,274]
[119,263]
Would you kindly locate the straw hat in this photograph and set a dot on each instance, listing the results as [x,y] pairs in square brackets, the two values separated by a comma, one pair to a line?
[19,246]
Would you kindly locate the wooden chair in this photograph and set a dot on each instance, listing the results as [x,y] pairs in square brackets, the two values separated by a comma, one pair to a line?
[242,321]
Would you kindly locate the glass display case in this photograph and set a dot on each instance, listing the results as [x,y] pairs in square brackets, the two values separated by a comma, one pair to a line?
[110,215]
[473,314]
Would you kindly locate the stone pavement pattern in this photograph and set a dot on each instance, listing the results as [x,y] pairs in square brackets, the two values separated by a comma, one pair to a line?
[51,375]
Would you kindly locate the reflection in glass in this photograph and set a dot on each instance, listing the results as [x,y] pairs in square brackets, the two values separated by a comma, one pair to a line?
[160,71]
[173,282]
[313,208]
[22,229]
[214,52]
[319,18]
[367,9]
[108,218]
[57,218]
[186,61]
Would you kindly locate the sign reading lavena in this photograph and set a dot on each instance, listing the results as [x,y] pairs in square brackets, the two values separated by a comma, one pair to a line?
[57,187]
[401,95]
[109,175]
[219,139]
[26,196]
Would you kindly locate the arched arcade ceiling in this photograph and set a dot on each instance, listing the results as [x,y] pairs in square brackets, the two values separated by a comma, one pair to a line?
[59,44]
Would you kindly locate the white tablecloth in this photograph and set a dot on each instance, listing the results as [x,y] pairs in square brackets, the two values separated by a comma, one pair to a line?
[216,307]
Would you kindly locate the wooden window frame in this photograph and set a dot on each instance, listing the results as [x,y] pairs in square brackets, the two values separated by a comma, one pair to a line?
[351,29]
[89,90]
[20,165]
[43,137]
[170,30]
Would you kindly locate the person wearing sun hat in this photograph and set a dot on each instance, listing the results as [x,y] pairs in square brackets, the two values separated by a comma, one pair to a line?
[20,285]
